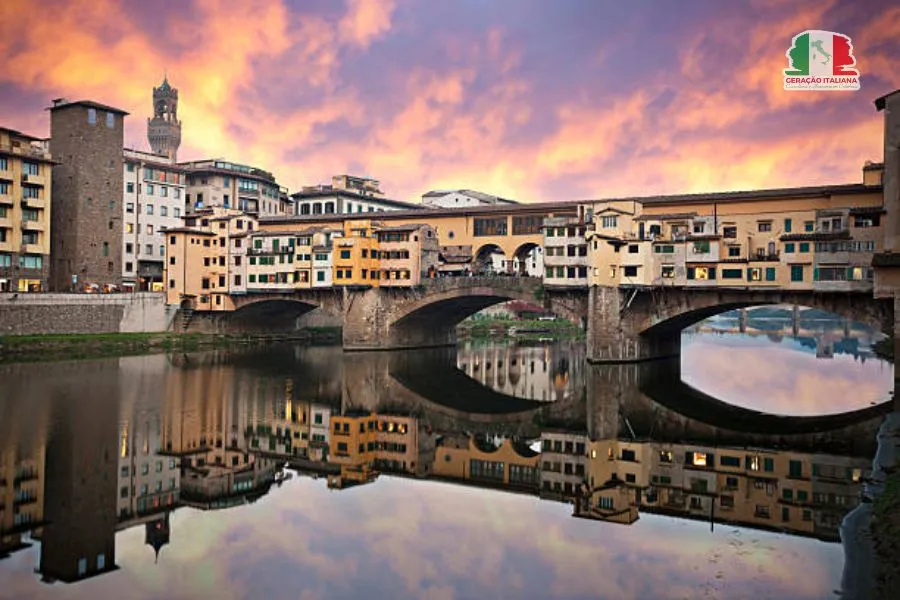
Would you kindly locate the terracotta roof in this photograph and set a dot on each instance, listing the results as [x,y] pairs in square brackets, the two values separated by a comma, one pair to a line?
[88,104]
[667,217]
[187,230]
[868,210]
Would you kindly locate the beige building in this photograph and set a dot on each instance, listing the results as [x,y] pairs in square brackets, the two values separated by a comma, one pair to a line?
[205,259]
[25,202]
[565,252]
[820,238]
[222,184]
[407,254]
[500,463]
[153,200]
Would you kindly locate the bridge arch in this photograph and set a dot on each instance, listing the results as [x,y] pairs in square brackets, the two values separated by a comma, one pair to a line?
[269,313]
[430,318]
[522,254]
[666,317]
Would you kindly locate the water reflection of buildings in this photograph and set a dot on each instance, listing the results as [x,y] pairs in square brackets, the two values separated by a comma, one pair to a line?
[540,372]
[210,432]
[824,334]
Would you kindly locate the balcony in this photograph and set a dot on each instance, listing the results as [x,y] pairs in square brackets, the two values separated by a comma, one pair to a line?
[6,199]
[32,248]
[36,180]
[33,226]
[32,202]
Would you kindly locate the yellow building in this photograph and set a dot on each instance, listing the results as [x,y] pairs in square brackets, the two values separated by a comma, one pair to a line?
[356,255]
[507,465]
[25,184]
[205,260]
[370,441]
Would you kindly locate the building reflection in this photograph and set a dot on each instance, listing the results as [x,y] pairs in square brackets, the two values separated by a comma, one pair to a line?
[219,430]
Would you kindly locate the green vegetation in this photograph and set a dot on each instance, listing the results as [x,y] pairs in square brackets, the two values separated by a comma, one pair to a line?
[886,535]
[37,348]
[481,326]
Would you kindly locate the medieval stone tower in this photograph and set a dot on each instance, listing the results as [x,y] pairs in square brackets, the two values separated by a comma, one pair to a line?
[164,129]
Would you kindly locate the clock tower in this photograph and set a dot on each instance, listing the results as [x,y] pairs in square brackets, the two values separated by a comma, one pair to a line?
[164,129]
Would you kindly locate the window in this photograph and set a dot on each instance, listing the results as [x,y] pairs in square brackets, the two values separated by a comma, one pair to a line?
[92,116]
[770,273]
[795,468]
[730,461]
[789,248]
[796,272]
[754,274]
[630,271]
[729,232]
[30,168]
[668,271]
[701,247]
[110,120]
[633,249]
[490,226]
[320,276]
[105,248]
[176,212]
[734,250]
[609,222]
[787,225]
[809,226]
[149,209]
[149,230]
[149,189]
[163,191]
[129,187]
[732,274]
[148,249]
[345,254]
[804,246]
[164,211]
[664,249]
[764,226]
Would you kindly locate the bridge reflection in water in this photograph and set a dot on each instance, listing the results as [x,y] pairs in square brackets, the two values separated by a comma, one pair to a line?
[108,445]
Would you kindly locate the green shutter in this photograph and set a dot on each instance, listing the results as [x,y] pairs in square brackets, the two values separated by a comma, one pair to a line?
[690,272]
[816,274]
[770,273]
[749,274]
[787,225]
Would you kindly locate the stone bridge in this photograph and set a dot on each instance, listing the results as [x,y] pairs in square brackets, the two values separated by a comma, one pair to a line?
[626,325]
[623,325]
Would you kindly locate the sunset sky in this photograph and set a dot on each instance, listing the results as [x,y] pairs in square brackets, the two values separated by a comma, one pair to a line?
[529,99]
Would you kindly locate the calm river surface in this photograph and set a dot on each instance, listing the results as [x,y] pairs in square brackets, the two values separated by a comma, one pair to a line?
[498,470]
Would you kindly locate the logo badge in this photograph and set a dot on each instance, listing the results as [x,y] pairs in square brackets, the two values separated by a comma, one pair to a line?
[821,61]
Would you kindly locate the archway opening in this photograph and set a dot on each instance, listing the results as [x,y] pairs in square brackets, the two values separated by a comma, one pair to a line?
[787,360]
[528,260]
[491,260]
[269,316]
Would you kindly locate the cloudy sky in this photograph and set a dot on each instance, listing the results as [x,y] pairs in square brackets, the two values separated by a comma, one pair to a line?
[531,99]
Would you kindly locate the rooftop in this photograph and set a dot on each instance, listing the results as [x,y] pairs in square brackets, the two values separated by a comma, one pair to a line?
[327,191]
[472,193]
[62,103]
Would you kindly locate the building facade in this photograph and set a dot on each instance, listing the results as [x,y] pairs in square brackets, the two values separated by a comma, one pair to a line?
[153,200]
[26,175]
[223,184]
[88,188]
[346,195]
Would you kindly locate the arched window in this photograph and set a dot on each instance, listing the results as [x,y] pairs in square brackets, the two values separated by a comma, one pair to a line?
[304,209]
[317,208]
[329,208]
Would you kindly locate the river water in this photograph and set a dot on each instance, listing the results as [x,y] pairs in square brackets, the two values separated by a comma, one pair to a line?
[496,470]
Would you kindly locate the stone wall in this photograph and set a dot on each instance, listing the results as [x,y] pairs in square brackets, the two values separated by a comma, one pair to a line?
[39,314]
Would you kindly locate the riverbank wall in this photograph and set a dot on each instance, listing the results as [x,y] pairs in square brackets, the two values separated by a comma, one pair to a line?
[60,314]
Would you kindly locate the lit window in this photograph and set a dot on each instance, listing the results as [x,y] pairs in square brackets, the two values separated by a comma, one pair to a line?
[699,459]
